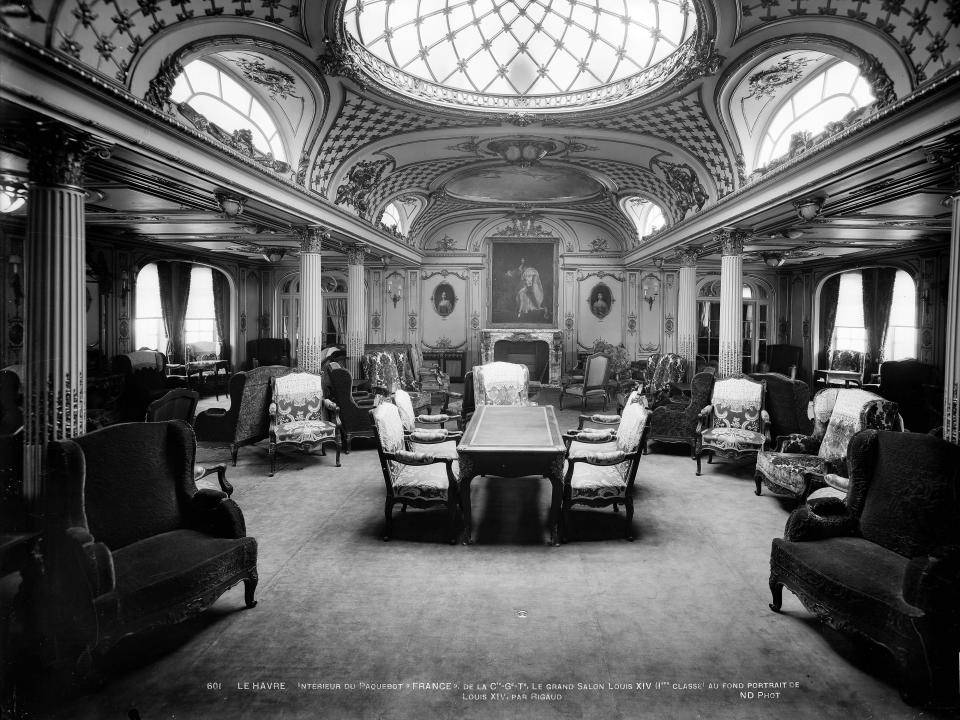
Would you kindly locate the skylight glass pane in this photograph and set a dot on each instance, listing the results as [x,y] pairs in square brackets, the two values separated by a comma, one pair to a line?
[203,76]
[234,94]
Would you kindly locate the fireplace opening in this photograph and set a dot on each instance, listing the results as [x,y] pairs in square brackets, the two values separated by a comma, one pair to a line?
[535,354]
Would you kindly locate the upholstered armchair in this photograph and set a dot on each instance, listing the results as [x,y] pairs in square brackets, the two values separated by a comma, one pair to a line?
[247,420]
[177,404]
[129,542]
[299,416]
[602,465]
[659,374]
[501,383]
[593,382]
[268,351]
[461,404]
[355,420]
[783,359]
[804,463]
[734,424]
[850,361]
[435,441]
[145,379]
[787,402]
[885,565]
[917,388]
[677,423]
[388,366]
[418,479]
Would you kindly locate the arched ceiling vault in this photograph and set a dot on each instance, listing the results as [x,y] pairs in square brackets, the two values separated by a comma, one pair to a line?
[358,146]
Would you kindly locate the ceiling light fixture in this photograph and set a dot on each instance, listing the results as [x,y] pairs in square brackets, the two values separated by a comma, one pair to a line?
[273,255]
[231,205]
[809,208]
[13,196]
[773,259]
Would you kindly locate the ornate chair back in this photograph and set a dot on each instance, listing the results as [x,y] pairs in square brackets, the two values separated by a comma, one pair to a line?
[852,360]
[298,396]
[178,404]
[596,372]
[852,411]
[737,403]
[389,431]
[501,383]
[401,398]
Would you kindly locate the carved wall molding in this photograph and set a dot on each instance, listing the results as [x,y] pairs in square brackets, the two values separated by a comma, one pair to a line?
[425,275]
[599,274]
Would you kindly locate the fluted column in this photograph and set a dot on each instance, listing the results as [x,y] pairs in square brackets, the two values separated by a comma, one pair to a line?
[312,320]
[687,310]
[951,380]
[55,399]
[356,308]
[731,302]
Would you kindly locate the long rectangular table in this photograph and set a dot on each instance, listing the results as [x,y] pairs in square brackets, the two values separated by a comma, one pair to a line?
[512,442]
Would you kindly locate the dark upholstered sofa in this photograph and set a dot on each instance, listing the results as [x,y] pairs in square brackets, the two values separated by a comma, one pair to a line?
[885,563]
[247,420]
[129,542]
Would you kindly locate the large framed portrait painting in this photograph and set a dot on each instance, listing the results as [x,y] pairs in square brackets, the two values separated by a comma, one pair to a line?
[523,283]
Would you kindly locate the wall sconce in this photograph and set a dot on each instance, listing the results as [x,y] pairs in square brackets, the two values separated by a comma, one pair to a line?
[13,196]
[772,259]
[231,205]
[273,255]
[394,290]
[809,208]
[16,280]
[650,285]
[124,282]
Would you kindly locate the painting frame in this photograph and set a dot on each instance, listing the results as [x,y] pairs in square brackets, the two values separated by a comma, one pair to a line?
[600,300]
[444,299]
[522,283]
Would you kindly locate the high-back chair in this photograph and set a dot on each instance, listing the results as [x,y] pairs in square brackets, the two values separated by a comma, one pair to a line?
[883,564]
[501,383]
[734,424]
[602,465]
[661,371]
[300,416]
[178,404]
[355,420]
[676,422]
[415,435]
[593,382]
[416,479]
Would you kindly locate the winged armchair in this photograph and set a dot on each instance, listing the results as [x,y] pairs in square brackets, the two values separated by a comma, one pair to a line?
[129,542]
[300,416]
[355,420]
[660,372]
[501,383]
[886,563]
[677,423]
[734,424]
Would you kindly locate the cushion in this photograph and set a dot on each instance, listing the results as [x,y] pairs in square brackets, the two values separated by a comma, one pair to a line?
[598,481]
[582,450]
[428,482]
[786,470]
[732,439]
[446,449]
[303,431]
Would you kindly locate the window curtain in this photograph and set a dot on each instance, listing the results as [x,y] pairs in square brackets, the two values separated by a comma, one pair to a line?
[221,311]
[174,290]
[877,301]
[829,295]
[337,309]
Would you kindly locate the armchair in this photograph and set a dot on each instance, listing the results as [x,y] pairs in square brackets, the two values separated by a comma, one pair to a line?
[677,423]
[734,424]
[917,388]
[297,415]
[462,404]
[268,351]
[802,461]
[501,383]
[388,366]
[355,419]
[783,359]
[145,379]
[247,420]
[886,564]
[593,382]
[850,362]
[417,479]
[788,404]
[660,374]
[602,466]
[129,542]
[178,404]
[440,439]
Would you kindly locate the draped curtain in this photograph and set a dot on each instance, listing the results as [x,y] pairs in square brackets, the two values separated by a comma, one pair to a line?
[877,301]
[174,290]
[337,310]
[829,295]
[221,311]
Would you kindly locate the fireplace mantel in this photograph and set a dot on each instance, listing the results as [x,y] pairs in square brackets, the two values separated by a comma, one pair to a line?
[552,337]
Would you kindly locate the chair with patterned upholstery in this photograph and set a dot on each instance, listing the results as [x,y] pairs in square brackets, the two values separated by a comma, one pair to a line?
[444,439]
[734,424]
[300,416]
[660,374]
[602,465]
[677,423]
[418,479]
[804,463]
[501,383]
[355,420]
[885,564]
[847,361]
[388,366]
[593,382]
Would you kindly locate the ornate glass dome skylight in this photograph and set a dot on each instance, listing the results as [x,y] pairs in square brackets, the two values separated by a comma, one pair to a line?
[536,55]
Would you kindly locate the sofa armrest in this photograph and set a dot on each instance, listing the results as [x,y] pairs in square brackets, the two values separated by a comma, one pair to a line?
[213,513]
[829,518]
[96,560]
[932,582]
[796,443]
[703,418]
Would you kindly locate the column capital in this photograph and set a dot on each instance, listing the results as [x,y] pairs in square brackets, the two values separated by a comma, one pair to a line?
[731,241]
[312,237]
[687,257]
[355,254]
[57,154]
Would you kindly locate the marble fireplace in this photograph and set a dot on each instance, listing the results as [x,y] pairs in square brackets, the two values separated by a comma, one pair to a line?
[527,346]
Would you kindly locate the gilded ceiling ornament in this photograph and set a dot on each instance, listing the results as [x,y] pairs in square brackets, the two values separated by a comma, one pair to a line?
[278,83]
[57,155]
[446,244]
[336,61]
[598,245]
[356,253]
[685,184]
[312,237]
[360,182]
[767,82]
[158,94]
[880,83]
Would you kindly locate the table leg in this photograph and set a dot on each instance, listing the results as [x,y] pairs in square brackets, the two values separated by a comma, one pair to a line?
[556,501]
[466,475]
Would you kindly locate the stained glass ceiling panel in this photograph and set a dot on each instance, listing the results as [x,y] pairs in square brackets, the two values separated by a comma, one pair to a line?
[502,53]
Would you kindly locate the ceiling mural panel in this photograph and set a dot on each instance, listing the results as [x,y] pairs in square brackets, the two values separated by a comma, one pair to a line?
[927,32]
[685,123]
[107,35]
[538,184]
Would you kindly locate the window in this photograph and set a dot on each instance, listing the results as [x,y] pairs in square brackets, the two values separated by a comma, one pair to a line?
[201,324]
[849,332]
[148,329]
[223,100]
[901,340]
[824,97]
[646,216]
[391,217]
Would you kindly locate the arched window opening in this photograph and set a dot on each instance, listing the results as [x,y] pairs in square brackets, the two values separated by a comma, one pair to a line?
[223,100]
[148,328]
[755,316]
[201,324]
[391,218]
[901,339]
[645,215]
[824,97]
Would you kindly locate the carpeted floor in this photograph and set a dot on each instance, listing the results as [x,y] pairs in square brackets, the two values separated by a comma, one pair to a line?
[673,625]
